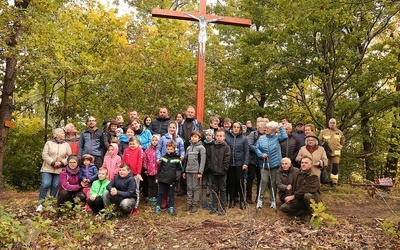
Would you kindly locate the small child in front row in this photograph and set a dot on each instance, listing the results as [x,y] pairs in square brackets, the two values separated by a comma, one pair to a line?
[169,172]
[150,167]
[112,161]
[95,200]
[121,191]
[193,171]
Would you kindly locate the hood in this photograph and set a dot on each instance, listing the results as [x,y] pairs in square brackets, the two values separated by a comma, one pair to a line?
[115,146]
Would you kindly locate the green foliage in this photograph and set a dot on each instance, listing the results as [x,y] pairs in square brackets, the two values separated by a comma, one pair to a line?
[320,217]
[23,154]
[11,231]
[391,229]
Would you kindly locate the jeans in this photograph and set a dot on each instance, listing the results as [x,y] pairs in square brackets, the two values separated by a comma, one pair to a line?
[49,181]
[218,183]
[164,188]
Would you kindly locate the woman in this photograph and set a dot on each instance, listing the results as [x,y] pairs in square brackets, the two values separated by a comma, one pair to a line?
[268,151]
[142,134]
[238,163]
[55,154]
[179,118]
[315,152]
[69,183]
[72,137]
[146,121]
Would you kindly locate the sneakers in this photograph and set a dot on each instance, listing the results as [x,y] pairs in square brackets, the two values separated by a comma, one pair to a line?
[194,209]
[135,212]
[259,204]
[39,208]
[158,209]
[273,205]
[152,201]
[171,211]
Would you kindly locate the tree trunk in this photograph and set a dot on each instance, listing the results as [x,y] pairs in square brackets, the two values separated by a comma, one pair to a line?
[6,106]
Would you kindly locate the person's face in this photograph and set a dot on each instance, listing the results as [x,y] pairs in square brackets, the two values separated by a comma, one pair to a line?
[154,141]
[71,130]
[86,162]
[262,130]
[135,125]
[102,175]
[248,124]
[259,119]
[266,120]
[91,122]
[236,128]
[172,128]
[283,121]
[130,133]
[227,125]
[190,113]
[305,164]
[220,136]
[214,124]
[307,130]
[288,130]
[209,137]
[285,165]
[332,124]
[269,131]
[163,113]
[148,121]
[311,141]
[73,164]
[299,127]
[110,150]
[170,150]
[60,135]
[133,144]
[195,138]
[124,171]
[179,118]
[119,119]
[113,127]
[133,115]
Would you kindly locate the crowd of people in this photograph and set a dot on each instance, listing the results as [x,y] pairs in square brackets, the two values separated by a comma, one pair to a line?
[214,167]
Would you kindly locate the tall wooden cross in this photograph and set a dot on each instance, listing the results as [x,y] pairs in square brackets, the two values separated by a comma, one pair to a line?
[203,18]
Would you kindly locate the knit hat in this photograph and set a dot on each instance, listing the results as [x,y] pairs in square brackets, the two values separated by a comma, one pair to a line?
[210,132]
[156,136]
[88,157]
[73,157]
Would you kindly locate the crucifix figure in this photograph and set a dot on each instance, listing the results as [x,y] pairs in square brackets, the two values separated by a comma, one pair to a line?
[203,18]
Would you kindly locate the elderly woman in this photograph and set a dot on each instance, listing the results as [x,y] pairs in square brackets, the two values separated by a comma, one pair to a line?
[55,154]
[268,151]
[72,137]
[315,152]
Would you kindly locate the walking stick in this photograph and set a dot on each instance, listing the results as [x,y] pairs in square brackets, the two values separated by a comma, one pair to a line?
[259,201]
[272,189]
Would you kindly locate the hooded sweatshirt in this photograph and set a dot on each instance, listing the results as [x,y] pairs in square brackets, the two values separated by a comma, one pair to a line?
[112,162]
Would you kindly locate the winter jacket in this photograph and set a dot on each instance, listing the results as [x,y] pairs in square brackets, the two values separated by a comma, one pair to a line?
[88,172]
[149,161]
[170,169]
[335,139]
[270,145]
[112,162]
[69,179]
[290,147]
[123,144]
[98,187]
[220,157]
[317,154]
[126,187]
[301,137]
[91,142]
[305,182]
[162,148]
[73,142]
[283,179]
[54,151]
[159,126]
[108,136]
[187,127]
[134,157]
[144,137]
[195,159]
[252,139]
[208,145]
[239,148]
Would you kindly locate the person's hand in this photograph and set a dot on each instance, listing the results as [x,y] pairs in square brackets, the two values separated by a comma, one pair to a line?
[93,197]
[244,167]
[289,187]
[158,161]
[113,191]
[156,181]
[265,156]
[139,177]
[57,164]
[184,175]
[288,199]
[84,184]
[182,157]
[199,176]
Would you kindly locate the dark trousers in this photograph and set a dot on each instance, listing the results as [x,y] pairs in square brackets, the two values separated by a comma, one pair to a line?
[64,196]
[235,182]
[218,185]
[296,206]
[97,205]
[98,161]
[166,188]
[153,189]
[145,184]
[253,172]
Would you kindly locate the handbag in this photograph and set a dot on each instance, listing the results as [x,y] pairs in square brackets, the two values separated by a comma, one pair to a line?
[324,177]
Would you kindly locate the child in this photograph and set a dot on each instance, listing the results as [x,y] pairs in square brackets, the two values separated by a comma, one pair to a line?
[124,140]
[88,171]
[170,169]
[194,167]
[133,155]
[206,179]
[121,191]
[219,165]
[112,161]
[150,167]
[95,200]
[69,183]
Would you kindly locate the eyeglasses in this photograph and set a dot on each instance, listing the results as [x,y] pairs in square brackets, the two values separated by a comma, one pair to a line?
[92,120]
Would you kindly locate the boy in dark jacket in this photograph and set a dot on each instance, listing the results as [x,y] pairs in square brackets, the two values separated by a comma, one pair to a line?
[219,165]
[168,173]
[208,143]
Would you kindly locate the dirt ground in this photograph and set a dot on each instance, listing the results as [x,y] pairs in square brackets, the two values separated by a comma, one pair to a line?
[359,216]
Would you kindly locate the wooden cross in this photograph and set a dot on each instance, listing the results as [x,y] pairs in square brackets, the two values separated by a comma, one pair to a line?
[190,16]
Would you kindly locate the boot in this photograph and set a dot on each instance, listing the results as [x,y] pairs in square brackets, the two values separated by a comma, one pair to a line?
[242,205]
[187,208]
[232,204]
[194,209]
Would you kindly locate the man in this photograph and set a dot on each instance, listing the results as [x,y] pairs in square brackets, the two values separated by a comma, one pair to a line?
[160,125]
[305,188]
[254,169]
[299,134]
[284,179]
[189,125]
[249,127]
[335,139]
[91,142]
[291,146]
[214,122]
[120,120]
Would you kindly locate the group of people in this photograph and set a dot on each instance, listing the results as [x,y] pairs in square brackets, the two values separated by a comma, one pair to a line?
[154,159]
